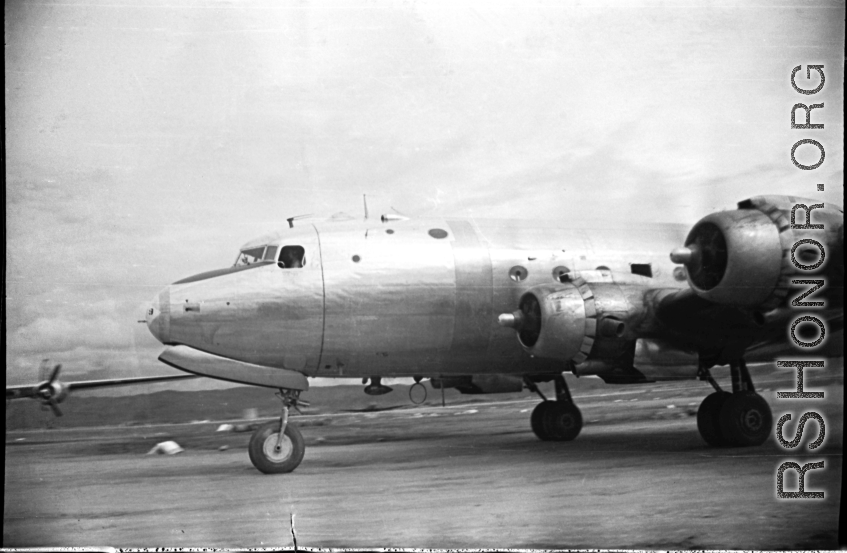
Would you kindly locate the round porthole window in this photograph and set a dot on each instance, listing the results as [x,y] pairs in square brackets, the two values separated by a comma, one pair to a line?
[559,271]
[389,231]
[356,259]
[518,273]
[438,233]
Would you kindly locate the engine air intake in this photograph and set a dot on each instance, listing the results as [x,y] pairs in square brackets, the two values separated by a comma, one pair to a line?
[530,327]
[708,261]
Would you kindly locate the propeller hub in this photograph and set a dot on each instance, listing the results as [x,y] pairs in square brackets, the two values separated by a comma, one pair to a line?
[684,255]
[511,320]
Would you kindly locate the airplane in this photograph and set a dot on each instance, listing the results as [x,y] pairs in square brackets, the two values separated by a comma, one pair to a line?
[490,306]
[52,391]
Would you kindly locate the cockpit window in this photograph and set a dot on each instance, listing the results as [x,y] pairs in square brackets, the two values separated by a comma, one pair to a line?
[292,257]
[251,256]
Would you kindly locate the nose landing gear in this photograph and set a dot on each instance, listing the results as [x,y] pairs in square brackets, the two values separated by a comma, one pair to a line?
[278,447]
[559,420]
[741,418]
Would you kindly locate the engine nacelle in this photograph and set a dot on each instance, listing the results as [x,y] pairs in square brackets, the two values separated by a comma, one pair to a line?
[574,319]
[52,391]
[744,257]
[551,320]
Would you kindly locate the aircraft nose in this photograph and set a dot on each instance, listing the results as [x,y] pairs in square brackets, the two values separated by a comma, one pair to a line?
[158,316]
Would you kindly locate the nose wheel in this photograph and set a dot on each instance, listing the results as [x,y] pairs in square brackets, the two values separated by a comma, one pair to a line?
[278,447]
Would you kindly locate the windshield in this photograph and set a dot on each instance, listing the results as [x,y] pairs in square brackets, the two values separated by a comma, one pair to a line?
[255,255]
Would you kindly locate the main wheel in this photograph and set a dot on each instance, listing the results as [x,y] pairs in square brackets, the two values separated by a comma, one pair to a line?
[708,418]
[269,459]
[746,419]
[536,420]
[563,421]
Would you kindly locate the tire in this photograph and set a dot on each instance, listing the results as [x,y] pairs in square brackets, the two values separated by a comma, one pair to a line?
[563,421]
[263,442]
[708,418]
[536,420]
[746,419]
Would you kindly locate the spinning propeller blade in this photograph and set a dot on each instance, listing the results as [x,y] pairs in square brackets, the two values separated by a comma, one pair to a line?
[54,405]
[55,374]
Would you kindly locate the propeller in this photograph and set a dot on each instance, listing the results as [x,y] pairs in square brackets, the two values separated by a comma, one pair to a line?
[49,390]
[705,255]
[55,374]
[526,320]
[54,405]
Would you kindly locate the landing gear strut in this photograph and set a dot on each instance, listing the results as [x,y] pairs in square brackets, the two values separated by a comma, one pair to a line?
[740,418]
[278,447]
[558,420]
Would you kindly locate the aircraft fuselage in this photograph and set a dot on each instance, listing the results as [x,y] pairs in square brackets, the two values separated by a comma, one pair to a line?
[398,298]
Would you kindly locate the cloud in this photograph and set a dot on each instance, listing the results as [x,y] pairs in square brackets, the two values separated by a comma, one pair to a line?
[65,332]
[86,363]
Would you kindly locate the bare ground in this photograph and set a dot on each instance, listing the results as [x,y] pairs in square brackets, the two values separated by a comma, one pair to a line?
[465,476]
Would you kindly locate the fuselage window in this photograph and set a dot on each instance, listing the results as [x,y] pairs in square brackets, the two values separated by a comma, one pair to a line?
[292,257]
[643,269]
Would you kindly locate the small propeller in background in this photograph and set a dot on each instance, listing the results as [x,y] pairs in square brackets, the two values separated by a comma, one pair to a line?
[51,391]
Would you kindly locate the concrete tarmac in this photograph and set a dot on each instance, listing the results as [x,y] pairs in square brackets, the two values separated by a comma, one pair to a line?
[465,476]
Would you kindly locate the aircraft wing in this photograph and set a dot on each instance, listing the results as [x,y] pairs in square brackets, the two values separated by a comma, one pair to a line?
[127,381]
[724,332]
[53,391]
[32,390]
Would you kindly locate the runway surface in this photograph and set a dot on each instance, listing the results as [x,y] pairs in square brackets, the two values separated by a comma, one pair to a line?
[464,476]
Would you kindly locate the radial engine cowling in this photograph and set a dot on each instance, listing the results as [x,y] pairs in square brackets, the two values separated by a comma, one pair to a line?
[55,391]
[52,393]
[575,319]
[551,321]
[742,257]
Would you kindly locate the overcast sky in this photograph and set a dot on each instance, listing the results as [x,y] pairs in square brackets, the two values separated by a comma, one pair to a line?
[147,140]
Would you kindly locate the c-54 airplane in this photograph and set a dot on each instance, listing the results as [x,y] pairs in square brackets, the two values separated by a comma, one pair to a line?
[492,306]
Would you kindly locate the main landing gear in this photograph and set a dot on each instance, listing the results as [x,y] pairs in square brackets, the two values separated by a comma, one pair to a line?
[278,446]
[558,420]
[740,418]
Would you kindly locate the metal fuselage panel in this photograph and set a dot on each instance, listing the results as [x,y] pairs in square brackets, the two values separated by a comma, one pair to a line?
[390,300]
[418,297]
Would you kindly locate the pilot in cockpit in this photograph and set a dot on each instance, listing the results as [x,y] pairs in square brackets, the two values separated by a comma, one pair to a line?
[292,257]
